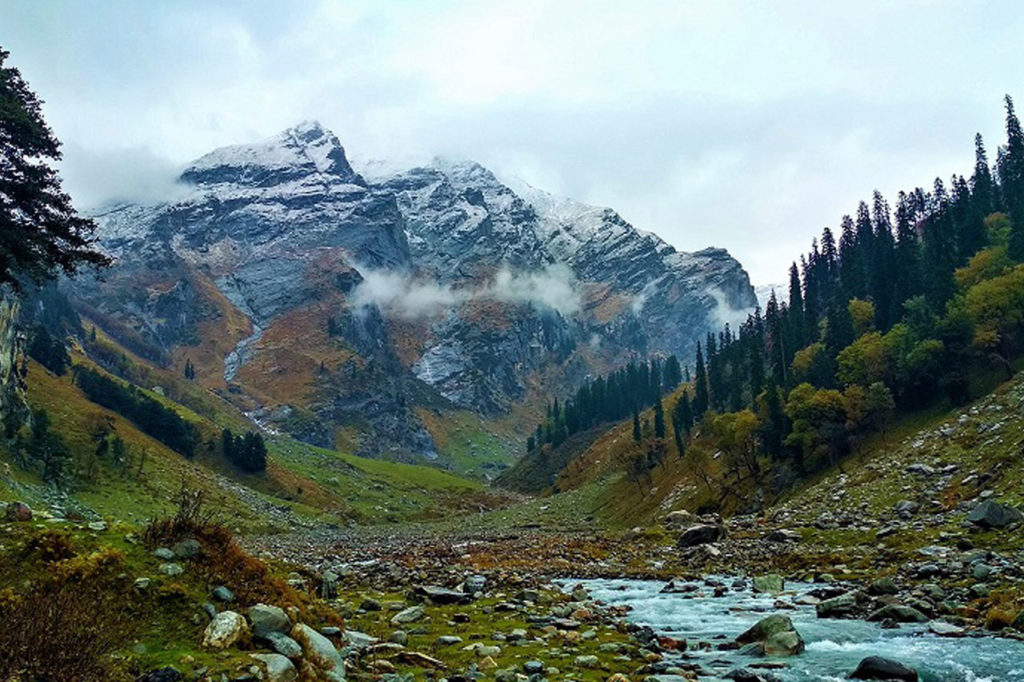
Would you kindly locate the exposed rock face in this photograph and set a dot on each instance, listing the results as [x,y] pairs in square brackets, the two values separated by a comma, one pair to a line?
[441,287]
[13,408]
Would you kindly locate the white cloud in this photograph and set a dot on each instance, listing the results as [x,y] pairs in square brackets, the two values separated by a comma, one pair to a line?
[404,295]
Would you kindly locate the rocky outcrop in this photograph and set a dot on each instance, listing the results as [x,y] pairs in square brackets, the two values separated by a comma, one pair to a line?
[13,408]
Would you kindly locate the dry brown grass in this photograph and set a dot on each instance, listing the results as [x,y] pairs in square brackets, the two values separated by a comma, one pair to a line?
[65,626]
[221,560]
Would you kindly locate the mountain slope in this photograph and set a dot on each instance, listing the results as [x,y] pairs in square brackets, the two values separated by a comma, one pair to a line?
[357,312]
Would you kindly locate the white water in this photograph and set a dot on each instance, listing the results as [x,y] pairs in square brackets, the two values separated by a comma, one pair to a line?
[834,647]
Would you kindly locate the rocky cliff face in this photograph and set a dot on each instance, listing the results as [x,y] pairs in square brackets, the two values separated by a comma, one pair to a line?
[341,305]
[13,409]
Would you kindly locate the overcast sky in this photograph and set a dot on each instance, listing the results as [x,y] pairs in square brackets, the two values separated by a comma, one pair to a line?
[746,125]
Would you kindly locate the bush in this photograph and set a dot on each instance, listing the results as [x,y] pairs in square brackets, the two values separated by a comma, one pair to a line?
[222,560]
[66,625]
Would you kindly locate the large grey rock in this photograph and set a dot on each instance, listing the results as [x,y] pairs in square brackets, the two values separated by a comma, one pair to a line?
[318,649]
[265,619]
[898,613]
[701,534]
[475,583]
[188,548]
[837,607]
[276,667]
[772,583]
[442,595]
[226,628]
[409,615]
[773,636]
[992,514]
[223,594]
[878,668]
[283,644]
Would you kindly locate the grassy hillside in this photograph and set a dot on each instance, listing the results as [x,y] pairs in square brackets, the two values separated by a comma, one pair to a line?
[301,486]
[984,441]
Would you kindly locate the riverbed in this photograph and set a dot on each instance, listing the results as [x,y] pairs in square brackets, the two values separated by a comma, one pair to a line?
[834,647]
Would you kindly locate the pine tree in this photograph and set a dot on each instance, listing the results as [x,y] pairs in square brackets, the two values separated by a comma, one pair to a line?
[796,331]
[659,419]
[636,427]
[774,423]
[882,263]
[1012,180]
[40,231]
[673,374]
[700,388]
[983,192]
[906,273]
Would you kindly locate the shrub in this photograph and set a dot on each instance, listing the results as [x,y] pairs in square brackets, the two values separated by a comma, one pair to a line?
[50,546]
[222,560]
[66,625]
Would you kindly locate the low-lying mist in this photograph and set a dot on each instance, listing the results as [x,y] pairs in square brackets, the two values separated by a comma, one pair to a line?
[401,294]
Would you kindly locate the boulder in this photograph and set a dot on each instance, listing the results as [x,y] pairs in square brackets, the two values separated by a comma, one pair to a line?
[898,613]
[360,640]
[276,668]
[784,535]
[18,512]
[329,585]
[678,518]
[475,583]
[370,604]
[409,615]
[745,675]
[920,469]
[226,628]
[420,660]
[283,644]
[171,569]
[701,534]
[265,619]
[837,607]
[771,583]
[223,594]
[441,595]
[679,586]
[317,649]
[187,548]
[991,514]
[878,668]
[906,507]
[882,586]
[448,640]
[773,636]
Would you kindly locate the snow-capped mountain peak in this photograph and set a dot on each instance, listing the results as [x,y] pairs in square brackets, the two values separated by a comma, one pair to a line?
[298,151]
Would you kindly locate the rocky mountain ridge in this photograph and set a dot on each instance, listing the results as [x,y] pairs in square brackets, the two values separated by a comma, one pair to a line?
[340,308]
